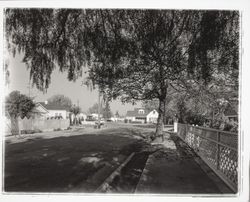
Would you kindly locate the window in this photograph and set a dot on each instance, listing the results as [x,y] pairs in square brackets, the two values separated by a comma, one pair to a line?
[141,111]
[56,114]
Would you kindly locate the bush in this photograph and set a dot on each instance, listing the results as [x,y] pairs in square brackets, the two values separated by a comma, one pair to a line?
[30,131]
[231,126]
[137,122]
[195,119]
[225,125]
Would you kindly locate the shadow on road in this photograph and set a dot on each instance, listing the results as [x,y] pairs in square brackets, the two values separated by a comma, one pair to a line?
[62,164]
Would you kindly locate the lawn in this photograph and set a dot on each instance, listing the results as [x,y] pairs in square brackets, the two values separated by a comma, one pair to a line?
[77,163]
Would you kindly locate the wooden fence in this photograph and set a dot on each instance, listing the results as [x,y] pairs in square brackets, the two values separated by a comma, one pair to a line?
[36,125]
[218,149]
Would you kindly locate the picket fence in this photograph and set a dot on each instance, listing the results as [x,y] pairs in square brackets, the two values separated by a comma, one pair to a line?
[36,124]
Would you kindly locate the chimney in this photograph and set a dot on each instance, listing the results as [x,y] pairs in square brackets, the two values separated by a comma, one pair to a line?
[46,102]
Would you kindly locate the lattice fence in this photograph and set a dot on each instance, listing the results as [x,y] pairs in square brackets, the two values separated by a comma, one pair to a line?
[219,149]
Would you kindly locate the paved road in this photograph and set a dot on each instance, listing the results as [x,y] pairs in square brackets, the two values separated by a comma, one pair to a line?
[63,161]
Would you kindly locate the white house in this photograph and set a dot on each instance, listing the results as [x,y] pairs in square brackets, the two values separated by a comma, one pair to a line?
[55,110]
[39,111]
[142,115]
[95,116]
[152,116]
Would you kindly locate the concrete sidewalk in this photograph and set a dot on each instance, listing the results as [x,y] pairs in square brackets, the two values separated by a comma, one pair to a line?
[174,169]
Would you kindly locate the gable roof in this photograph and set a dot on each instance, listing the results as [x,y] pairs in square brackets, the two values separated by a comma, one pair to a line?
[230,111]
[39,109]
[135,113]
[231,108]
[53,106]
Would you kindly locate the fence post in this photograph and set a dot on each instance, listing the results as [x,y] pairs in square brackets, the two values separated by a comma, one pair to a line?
[176,127]
[218,151]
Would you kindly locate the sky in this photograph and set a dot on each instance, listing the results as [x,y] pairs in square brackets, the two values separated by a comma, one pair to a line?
[19,80]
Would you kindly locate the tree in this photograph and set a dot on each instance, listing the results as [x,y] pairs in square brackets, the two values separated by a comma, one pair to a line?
[107,111]
[130,54]
[60,100]
[171,105]
[168,52]
[150,104]
[117,115]
[94,109]
[75,110]
[18,105]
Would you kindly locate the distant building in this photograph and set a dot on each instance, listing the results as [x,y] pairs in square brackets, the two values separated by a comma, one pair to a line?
[152,116]
[82,116]
[142,115]
[95,116]
[231,113]
[116,119]
[39,111]
[55,111]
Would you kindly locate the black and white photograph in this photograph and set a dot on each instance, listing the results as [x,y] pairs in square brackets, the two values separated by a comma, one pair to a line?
[127,101]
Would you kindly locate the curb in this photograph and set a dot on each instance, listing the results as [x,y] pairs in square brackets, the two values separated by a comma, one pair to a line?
[104,186]
[144,173]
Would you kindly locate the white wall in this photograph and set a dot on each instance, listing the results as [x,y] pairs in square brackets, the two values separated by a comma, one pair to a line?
[131,118]
[152,117]
[82,116]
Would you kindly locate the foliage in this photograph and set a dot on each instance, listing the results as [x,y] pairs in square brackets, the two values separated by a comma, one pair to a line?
[231,126]
[75,110]
[31,131]
[94,109]
[6,73]
[150,104]
[107,111]
[195,119]
[117,114]
[18,105]
[60,100]
[130,54]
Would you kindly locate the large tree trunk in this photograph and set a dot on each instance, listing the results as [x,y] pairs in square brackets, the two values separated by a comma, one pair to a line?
[161,117]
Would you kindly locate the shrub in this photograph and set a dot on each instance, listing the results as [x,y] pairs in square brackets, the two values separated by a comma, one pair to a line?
[30,131]
[231,126]
[196,119]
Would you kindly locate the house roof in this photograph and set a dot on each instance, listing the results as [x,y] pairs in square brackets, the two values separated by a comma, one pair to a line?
[232,108]
[53,106]
[135,113]
[229,111]
[37,111]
